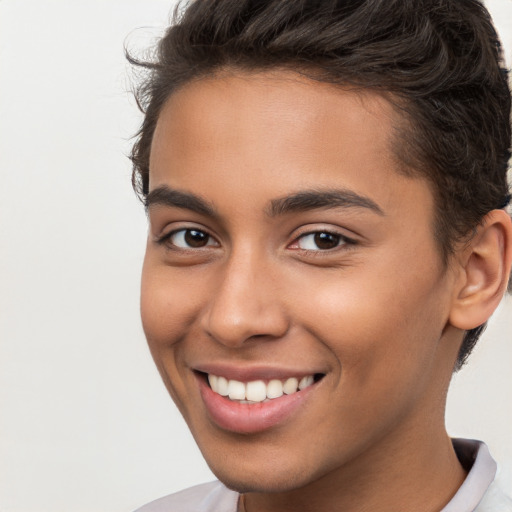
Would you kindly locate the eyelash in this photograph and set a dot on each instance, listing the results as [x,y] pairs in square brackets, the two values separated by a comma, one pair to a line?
[166,239]
[341,240]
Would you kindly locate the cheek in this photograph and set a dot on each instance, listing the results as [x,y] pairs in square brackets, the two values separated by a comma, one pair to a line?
[385,350]
[167,311]
[381,337]
[169,304]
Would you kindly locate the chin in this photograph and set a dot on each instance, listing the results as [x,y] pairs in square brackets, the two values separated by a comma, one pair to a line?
[270,474]
[261,481]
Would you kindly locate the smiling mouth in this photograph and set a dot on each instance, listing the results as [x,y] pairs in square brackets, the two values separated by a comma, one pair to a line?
[259,391]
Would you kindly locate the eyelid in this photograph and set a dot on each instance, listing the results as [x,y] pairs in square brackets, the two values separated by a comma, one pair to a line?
[344,240]
[165,239]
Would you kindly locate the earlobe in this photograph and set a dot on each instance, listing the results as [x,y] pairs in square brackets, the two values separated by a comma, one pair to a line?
[485,271]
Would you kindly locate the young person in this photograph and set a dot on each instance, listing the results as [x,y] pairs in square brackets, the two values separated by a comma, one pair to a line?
[326,184]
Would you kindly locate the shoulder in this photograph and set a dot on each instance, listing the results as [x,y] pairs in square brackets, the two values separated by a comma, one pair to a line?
[480,491]
[209,497]
[495,500]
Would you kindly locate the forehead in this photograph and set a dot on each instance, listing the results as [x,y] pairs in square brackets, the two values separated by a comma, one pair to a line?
[250,109]
[271,133]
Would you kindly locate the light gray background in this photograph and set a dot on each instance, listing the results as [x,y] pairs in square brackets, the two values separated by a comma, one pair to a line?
[85,424]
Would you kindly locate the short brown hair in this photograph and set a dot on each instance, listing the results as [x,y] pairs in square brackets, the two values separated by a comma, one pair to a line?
[440,60]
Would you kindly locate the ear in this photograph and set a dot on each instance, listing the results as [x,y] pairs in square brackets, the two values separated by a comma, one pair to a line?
[485,270]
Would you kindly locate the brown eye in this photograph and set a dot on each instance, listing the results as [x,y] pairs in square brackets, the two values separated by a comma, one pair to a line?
[195,238]
[320,240]
[326,240]
[191,239]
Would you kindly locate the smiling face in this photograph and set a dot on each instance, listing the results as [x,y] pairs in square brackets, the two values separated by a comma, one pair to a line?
[284,246]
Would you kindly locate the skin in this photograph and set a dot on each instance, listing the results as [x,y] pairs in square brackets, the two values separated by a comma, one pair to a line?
[373,315]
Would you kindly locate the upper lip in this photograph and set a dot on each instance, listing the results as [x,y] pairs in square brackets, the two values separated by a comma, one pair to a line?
[250,373]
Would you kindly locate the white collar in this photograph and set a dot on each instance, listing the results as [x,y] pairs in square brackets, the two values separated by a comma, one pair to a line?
[474,455]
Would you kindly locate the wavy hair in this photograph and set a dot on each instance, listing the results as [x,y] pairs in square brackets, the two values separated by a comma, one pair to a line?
[438,61]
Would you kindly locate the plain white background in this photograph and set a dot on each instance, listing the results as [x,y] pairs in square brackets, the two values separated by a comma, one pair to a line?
[85,423]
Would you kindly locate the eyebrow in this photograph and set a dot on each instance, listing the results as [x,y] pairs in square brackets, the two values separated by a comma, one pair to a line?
[165,196]
[303,200]
[319,199]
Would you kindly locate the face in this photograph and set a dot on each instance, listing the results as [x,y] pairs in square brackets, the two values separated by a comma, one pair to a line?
[293,295]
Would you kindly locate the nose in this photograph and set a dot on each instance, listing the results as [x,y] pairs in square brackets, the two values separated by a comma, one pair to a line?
[245,303]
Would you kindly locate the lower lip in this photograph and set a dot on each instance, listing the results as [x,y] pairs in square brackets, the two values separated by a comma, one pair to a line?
[250,418]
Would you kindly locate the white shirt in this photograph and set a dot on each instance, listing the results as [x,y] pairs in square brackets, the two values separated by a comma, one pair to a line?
[478,493]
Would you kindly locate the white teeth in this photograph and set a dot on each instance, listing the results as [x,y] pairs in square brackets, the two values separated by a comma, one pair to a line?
[236,390]
[291,385]
[222,386]
[274,389]
[305,382]
[257,391]
[213,379]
